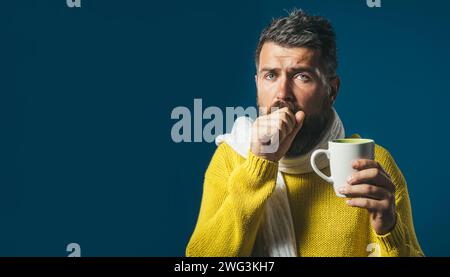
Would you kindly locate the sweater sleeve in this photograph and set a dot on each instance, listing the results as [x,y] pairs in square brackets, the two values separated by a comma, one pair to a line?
[232,204]
[401,240]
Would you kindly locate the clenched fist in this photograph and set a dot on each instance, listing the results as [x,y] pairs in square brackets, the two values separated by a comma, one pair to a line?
[272,134]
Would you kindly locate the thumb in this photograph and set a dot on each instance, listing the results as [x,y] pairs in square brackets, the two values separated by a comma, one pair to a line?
[299,118]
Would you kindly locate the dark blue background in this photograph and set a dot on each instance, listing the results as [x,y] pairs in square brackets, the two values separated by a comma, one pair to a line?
[86,97]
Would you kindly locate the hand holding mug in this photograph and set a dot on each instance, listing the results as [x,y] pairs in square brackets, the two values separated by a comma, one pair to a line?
[371,188]
[355,174]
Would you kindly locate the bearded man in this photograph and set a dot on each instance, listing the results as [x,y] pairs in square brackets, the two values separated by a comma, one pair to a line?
[270,203]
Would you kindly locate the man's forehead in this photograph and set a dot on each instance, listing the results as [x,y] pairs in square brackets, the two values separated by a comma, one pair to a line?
[274,55]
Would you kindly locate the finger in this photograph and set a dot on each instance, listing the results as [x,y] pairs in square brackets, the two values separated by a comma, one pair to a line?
[369,204]
[279,116]
[279,110]
[267,130]
[362,164]
[262,127]
[365,191]
[286,116]
[288,120]
[299,119]
[262,136]
[291,116]
[272,129]
[269,125]
[373,176]
[283,104]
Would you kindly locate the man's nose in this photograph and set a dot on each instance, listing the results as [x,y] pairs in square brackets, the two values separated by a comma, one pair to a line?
[284,90]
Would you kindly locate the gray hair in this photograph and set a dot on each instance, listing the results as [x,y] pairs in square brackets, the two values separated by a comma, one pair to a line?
[299,29]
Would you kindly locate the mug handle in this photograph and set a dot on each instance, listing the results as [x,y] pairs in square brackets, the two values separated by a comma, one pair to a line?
[317,170]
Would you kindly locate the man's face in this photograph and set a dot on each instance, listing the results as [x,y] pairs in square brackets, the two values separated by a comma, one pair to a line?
[292,77]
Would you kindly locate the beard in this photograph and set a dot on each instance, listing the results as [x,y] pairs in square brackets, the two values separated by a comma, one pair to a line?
[310,134]
[314,125]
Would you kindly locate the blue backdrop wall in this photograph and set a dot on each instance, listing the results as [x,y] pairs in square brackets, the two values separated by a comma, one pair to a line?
[86,98]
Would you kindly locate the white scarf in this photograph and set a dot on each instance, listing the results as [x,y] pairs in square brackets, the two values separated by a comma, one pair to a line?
[276,236]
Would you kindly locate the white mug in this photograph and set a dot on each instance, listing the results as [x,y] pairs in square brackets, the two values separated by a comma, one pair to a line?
[342,153]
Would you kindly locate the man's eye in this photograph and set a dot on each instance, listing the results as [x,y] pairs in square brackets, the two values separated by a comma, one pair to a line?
[269,76]
[303,77]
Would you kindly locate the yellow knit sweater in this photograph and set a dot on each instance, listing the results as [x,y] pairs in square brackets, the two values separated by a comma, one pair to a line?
[235,190]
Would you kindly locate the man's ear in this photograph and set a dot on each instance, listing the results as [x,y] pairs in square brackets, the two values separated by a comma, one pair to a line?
[335,84]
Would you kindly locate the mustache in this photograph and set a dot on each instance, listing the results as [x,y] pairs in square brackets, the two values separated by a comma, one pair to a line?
[292,106]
